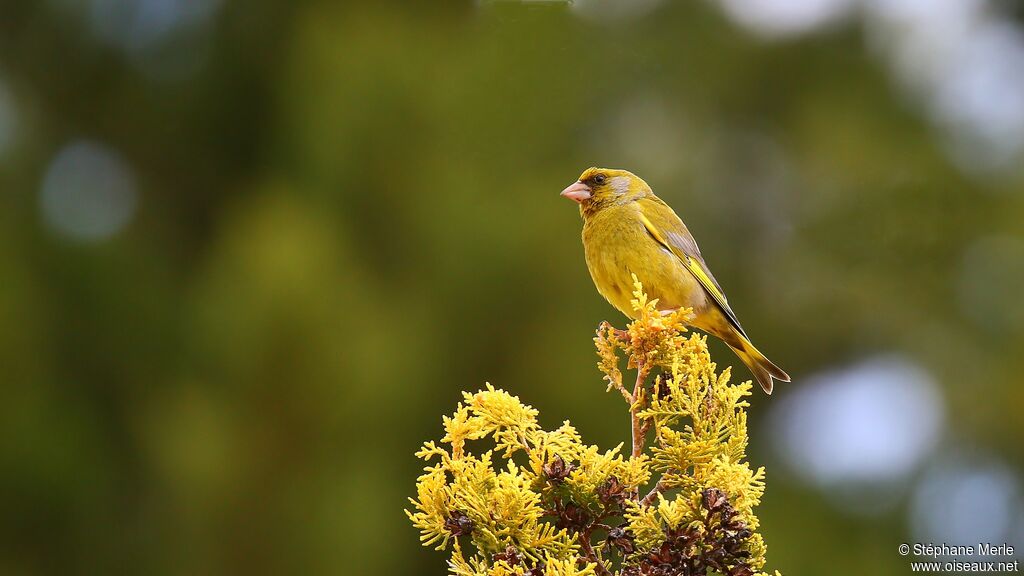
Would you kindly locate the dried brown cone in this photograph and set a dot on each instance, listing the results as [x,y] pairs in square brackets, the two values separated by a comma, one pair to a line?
[557,470]
[718,545]
[459,524]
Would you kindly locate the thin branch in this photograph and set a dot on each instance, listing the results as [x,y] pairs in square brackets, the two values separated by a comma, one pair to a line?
[588,551]
[660,487]
[644,427]
[638,425]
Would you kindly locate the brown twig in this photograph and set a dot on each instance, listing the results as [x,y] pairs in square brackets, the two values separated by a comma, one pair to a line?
[658,489]
[639,427]
[588,551]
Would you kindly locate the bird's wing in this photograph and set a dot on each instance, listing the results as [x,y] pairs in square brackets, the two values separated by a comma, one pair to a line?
[668,229]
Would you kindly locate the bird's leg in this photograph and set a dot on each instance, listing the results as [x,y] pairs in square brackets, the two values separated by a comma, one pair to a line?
[688,319]
[622,335]
[617,333]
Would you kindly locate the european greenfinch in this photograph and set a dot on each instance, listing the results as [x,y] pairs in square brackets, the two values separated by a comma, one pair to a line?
[628,230]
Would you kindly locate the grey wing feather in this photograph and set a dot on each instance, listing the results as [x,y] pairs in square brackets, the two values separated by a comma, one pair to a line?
[687,245]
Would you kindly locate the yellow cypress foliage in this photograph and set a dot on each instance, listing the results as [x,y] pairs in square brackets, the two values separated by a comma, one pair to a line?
[682,505]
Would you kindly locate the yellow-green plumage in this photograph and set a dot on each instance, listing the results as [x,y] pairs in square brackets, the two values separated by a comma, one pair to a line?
[628,230]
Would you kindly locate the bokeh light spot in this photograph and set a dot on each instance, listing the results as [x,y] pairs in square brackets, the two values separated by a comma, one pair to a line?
[142,24]
[966,501]
[858,433]
[165,40]
[966,62]
[786,17]
[88,192]
[983,96]
[614,9]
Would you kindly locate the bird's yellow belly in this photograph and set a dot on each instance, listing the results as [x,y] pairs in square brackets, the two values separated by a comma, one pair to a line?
[617,250]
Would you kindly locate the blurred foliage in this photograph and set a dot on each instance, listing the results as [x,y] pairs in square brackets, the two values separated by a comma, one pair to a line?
[343,203]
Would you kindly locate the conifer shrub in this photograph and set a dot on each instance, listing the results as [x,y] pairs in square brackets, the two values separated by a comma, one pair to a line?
[678,501]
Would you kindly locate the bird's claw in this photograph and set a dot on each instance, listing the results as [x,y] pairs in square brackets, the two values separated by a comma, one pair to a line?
[615,332]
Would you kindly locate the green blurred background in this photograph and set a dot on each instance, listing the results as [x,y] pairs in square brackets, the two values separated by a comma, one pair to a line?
[250,252]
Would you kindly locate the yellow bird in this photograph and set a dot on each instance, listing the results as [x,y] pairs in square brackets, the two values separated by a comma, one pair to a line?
[628,230]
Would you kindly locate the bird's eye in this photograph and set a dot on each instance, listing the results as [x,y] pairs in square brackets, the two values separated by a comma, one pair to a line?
[599,179]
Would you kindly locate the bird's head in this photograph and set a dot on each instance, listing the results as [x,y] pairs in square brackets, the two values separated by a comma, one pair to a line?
[597,188]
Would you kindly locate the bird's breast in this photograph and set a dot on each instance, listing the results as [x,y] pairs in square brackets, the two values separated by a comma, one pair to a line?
[617,245]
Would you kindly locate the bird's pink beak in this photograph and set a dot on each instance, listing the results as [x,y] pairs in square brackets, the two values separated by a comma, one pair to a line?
[577,192]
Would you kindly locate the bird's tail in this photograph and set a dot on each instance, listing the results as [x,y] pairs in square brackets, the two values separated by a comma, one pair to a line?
[762,368]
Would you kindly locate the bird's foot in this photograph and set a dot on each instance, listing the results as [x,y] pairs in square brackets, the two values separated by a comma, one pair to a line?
[615,332]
